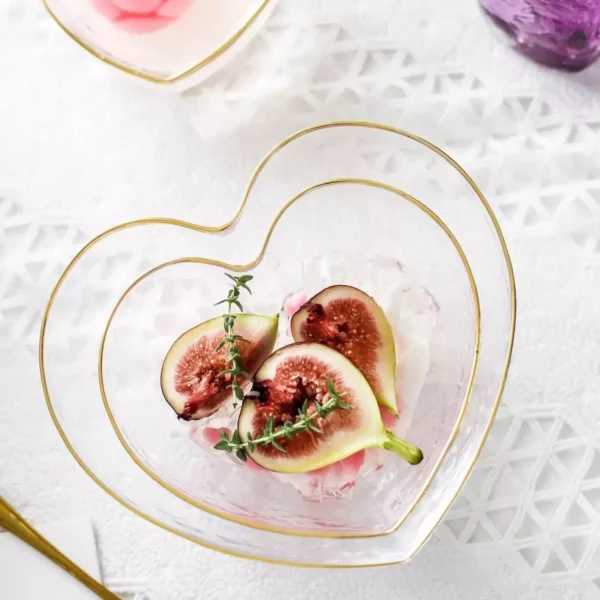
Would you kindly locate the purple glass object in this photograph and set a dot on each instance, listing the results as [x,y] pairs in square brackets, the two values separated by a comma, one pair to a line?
[563,34]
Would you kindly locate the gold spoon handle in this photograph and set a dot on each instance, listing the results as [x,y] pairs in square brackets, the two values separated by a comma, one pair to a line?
[12,521]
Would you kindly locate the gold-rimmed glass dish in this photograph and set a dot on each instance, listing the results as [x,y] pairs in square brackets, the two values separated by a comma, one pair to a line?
[322,208]
[174,42]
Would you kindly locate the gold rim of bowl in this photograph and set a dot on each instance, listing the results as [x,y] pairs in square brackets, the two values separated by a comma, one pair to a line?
[247,268]
[214,55]
[216,229]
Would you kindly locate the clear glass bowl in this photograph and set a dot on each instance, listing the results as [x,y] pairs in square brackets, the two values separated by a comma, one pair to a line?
[334,192]
[178,42]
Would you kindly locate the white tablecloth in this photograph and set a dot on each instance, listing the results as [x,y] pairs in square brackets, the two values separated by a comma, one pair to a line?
[81,148]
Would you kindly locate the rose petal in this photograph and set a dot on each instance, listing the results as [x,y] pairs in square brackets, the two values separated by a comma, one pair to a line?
[138,7]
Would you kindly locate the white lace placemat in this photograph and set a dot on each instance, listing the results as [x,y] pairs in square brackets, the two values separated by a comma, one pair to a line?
[83,149]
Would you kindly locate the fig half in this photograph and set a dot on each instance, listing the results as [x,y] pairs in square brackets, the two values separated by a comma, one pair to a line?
[190,378]
[298,373]
[351,322]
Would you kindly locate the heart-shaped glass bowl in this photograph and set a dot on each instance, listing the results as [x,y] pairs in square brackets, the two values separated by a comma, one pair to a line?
[175,42]
[350,203]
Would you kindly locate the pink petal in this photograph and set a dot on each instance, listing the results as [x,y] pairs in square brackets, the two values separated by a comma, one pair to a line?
[146,24]
[140,7]
[174,8]
[108,9]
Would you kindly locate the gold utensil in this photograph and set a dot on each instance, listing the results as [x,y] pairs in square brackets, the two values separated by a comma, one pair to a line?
[12,521]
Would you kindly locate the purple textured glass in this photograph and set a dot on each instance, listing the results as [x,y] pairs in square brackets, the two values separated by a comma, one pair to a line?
[564,34]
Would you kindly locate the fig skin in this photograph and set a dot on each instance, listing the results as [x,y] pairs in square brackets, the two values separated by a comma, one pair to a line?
[295,373]
[350,321]
[190,380]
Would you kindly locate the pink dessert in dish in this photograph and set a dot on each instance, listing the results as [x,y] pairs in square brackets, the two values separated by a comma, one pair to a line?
[142,16]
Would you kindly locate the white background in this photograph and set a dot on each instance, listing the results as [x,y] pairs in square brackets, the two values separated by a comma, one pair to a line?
[82,148]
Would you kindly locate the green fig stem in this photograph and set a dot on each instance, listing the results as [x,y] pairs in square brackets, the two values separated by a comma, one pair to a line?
[411,454]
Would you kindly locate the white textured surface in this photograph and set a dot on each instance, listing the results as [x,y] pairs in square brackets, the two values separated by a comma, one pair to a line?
[75,539]
[83,149]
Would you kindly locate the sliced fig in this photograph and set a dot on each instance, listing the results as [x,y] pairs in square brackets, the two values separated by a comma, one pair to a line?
[351,322]
[298,373]
[190,378]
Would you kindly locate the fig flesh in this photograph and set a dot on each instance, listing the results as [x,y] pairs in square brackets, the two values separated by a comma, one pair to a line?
[298,373]
[191,379]
[351,322]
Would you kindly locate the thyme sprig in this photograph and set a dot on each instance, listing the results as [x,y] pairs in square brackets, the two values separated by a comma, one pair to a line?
[270,434]
[231,339]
